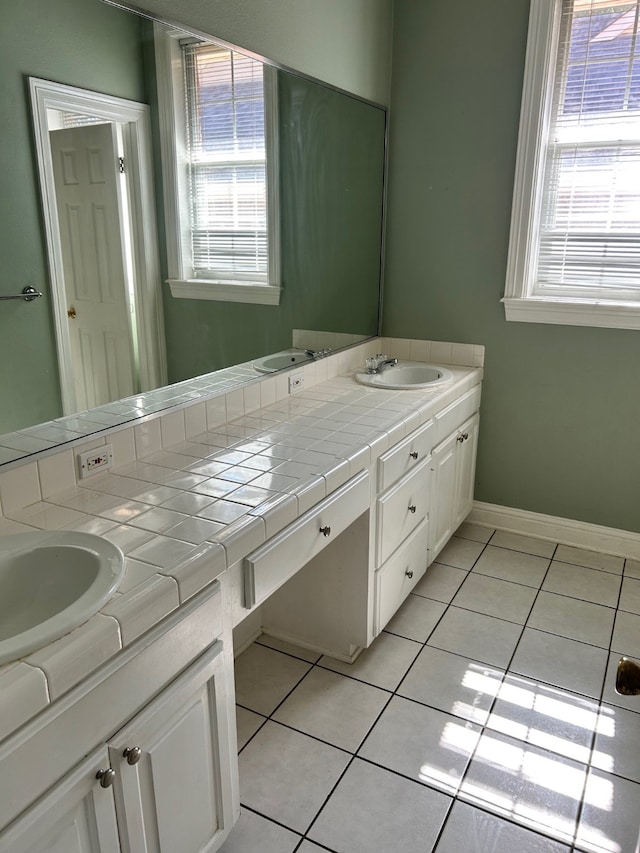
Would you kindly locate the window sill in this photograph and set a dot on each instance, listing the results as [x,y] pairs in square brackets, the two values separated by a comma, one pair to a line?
[259,294]
[573,312]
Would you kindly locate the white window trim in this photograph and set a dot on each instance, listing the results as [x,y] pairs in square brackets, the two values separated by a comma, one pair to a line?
[170,98]
[519,302]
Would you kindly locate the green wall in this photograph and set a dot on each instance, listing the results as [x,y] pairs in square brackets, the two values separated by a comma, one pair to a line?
[343,42]
[331,181]
[561,405]
[81,44]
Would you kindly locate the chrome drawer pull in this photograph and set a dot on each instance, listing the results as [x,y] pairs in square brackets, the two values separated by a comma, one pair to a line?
[409,574]
[414,454]
[326,531]
[412,507]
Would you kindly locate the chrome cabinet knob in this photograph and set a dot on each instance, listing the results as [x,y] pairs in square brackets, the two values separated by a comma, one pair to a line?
[460,439]
[409,574]
[411,507]
[133,754]
[413,454]
[326,531]
[106,777]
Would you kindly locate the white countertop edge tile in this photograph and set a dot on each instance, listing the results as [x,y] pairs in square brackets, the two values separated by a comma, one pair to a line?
[23,692]
[143,606]
[206,564]
[70,659]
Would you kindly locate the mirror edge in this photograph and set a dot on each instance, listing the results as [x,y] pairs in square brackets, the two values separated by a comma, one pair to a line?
[142,411]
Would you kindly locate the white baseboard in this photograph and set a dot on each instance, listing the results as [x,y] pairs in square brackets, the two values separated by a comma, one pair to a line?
[566,531]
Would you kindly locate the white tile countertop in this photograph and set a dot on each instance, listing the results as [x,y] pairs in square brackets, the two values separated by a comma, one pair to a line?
[185,513]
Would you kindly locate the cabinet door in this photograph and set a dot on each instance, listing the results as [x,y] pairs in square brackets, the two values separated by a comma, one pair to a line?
[443,496]
[176,794]
[76,816]
[465,470]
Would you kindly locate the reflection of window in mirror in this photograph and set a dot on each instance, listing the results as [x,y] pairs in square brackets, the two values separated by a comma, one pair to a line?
[218,113]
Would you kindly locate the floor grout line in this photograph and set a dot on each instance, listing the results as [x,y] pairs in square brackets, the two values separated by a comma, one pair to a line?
[482,728]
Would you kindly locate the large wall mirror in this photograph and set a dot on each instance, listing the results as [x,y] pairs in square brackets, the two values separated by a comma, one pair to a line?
[331,150]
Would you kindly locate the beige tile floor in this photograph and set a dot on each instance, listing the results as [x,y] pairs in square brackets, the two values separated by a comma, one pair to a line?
[482,720]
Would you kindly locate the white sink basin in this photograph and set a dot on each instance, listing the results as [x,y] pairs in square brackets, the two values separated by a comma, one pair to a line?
[51,582]
[278,360]
[407,375]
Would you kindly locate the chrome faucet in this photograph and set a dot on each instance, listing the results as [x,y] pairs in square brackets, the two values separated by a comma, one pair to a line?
[387,362]
[317,353]
[379,362]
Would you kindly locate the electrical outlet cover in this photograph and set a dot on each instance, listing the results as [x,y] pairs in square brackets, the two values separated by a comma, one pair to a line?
[296,381]
[92,461]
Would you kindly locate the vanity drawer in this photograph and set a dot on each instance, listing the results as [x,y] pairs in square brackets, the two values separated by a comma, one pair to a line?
[399,575]
[277,560]
[405,456]
[457,413]
[401,509]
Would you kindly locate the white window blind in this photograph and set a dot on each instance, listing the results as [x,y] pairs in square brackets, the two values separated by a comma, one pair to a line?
[589,218]
[226,164]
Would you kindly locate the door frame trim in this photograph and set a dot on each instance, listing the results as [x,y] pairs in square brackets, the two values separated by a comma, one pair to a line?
[135,120]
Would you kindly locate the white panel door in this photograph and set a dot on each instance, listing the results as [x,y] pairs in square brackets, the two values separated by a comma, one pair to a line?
[86,183]
[76,816]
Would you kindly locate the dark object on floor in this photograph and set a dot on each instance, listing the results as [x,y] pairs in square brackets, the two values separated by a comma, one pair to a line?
[628,678]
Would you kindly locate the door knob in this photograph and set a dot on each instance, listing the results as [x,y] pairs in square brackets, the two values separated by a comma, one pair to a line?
[412,507]
[414,454]
[326,531]
[71,313]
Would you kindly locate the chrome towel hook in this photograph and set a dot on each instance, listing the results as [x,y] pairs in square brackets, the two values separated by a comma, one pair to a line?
[28,294]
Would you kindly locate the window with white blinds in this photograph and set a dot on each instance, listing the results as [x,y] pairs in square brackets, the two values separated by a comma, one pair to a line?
[226,163]
[220,168]
[575,240]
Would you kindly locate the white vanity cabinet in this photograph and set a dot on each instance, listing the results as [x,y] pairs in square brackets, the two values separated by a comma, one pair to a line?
[335,595]
[453,466]
[402,521]
[426,491]
[164,781]
[172,766]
